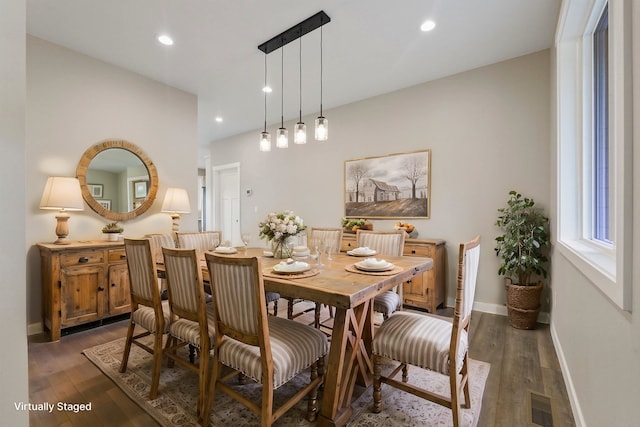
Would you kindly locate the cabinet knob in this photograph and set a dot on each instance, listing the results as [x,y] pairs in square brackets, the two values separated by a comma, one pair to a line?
[123,256]
[413,251]
[113,285]
[100,288]
[83,259]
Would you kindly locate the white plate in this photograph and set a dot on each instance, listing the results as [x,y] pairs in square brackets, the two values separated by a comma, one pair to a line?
[362,266]
[267,254]
[298,267]
[225,250]
[367,254]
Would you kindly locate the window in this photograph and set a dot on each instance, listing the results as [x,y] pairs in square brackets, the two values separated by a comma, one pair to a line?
[594,142]
[601,206]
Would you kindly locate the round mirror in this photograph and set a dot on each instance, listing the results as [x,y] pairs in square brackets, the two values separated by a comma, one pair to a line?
[118,180]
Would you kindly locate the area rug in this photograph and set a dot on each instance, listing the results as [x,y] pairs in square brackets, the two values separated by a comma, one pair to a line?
[176,402]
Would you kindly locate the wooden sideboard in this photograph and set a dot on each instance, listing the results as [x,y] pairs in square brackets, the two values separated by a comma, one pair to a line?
[82,282]
[428,290]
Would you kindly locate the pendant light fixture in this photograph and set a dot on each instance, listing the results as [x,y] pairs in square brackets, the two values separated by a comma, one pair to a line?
[300,136]
[282,140]
[300,131]
[265,137]
[322,124]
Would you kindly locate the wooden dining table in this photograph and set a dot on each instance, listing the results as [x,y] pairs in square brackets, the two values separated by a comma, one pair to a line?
[339,284]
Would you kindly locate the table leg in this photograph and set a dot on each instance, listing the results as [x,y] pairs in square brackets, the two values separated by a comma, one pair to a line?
[349,362]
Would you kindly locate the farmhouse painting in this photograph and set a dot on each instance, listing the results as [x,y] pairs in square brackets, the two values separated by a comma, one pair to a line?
[393,186]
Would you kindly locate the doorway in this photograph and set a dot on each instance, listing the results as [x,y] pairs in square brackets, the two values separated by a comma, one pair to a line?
[226,201]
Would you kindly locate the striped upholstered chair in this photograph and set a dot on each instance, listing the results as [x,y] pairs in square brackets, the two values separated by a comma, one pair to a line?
[202,241]
[270,350]
[431,342]
[192,318]
[331,236]
[147,310]
[389,243]
[199,240]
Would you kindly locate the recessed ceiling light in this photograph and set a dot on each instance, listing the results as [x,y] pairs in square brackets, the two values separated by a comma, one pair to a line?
[427,25]
[266,89]
[165,40]
[219,119]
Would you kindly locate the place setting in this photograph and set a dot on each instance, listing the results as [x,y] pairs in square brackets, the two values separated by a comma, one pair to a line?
[362,251]
[291,268]
[373,266]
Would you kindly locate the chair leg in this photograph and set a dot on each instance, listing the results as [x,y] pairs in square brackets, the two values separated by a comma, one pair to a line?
[290,308]
[316,319]
[267,402]
[465,375]
[312,405]
[275,308]
[405,373]
[210,395]
[377,385]
[127,347]
[157,365]
[455,398]
[169,348]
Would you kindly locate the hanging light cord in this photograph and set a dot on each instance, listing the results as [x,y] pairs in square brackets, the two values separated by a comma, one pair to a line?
[264,89]
[282,89]
[321,71]
[300,80]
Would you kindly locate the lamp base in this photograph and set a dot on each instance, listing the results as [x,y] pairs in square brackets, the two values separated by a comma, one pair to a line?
[175,222]
[62,228]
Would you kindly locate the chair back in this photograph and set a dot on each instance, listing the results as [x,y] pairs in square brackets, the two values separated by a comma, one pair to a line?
[384,242]
[332,235]
[468,261]
[238,298]
[143,277]
[199,240]
[184,283]
[159,241]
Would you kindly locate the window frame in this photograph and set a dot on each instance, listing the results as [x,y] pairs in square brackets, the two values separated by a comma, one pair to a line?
[607,266]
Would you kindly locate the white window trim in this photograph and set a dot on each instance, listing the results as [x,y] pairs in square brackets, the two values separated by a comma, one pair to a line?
[607,267]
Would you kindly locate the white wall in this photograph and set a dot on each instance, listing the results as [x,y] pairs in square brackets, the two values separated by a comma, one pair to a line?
[75,101]
[13,358]
[488,130]
[598,344]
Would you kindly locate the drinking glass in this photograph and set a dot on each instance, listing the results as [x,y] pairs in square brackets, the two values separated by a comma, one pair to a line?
[214,243]
[245,239]
[329,248]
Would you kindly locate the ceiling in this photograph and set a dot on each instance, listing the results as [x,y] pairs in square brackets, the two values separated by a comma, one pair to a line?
[371,47]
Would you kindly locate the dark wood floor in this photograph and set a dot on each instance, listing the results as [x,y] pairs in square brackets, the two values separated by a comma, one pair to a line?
[524,369]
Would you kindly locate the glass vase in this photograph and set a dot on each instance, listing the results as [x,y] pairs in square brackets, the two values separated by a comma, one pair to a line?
[281,249]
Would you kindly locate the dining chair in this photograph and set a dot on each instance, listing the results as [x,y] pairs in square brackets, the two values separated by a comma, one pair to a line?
[334,237]
[147,309]
[192,321]
[389,243]
[431,342]
[270,350]
[199,240]
[204,241]
[159,241]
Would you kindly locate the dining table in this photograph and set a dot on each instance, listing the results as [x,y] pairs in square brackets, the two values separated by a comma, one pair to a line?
[338,282]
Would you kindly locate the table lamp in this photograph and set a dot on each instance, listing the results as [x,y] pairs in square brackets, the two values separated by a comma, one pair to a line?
[62,193]
[176,202]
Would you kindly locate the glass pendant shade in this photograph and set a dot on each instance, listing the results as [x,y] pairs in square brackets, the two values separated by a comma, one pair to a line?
[322,128]
[300,133]
[282,141]
[265,141]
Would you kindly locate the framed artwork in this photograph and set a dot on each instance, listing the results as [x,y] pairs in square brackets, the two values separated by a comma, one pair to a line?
[105,204]
[392,186]
[140,189]
[96,190]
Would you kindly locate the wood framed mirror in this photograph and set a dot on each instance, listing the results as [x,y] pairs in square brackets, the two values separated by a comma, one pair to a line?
[118,180]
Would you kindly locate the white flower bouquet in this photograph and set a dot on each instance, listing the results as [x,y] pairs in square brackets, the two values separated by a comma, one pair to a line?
[278,227]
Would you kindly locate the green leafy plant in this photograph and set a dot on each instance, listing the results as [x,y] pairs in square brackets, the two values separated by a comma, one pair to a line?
[346,222]
[112,227]
[525,241]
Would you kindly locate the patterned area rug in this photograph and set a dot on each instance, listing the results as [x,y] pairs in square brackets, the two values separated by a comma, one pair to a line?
[175,405]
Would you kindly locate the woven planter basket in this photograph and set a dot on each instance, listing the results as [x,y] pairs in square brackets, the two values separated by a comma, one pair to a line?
[523,304]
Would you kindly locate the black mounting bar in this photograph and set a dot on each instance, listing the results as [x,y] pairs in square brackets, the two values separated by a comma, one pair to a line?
[295,32]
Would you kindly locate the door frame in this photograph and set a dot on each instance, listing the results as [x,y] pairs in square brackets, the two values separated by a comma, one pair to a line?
[215,193]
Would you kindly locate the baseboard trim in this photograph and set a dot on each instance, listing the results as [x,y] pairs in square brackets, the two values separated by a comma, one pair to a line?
[564,368]
[34,328]
[500,309]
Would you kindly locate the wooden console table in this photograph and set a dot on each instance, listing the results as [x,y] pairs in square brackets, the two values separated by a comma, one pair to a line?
[428,290]
[82,282]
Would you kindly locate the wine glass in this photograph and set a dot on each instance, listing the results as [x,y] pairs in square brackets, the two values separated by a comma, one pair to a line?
[328,245]
[214,243]
[245,239]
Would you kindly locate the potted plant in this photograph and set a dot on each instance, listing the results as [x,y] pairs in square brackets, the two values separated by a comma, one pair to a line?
[523,248]
[112,231]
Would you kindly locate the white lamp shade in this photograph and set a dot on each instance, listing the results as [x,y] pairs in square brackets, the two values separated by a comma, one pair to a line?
[176,201]
[62,193]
